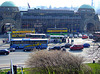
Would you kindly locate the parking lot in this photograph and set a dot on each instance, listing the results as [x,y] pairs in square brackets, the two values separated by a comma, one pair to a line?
[19,57]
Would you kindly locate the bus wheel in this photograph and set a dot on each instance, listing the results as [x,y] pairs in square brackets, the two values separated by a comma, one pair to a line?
[37,47]
[17,47]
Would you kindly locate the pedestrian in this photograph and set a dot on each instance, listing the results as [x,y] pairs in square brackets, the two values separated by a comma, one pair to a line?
[3,41]
[8,72]
[68,40]
[63,49]
[93,60]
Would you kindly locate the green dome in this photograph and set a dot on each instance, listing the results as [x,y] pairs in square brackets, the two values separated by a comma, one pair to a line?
[86,6]
[8,4]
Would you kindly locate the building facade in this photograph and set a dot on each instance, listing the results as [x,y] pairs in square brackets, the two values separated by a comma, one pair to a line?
[84,20]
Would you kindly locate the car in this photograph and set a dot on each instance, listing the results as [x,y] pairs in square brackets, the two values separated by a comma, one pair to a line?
[4,52]
[75,36]
[70,35]
[80,35]
[84,37]
[55,48]
[11,49]
[90,36]
[86,45]
[76,47]
[66,45]
[28,49]
[66,36]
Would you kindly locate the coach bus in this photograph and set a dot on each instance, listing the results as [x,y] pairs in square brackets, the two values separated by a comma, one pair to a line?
[28,42]
[57,31]
[21,33]
[57,38]
[32,35]
[96,36]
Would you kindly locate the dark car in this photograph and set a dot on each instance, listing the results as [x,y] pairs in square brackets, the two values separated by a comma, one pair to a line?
[66,45]
[11,49]
[4,52]
[76,47]
[90,36]
[55,48]
[86,45]
[27,49]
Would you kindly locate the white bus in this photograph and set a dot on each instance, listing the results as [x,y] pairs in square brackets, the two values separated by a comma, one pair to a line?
[27,42]
[32,35]
[57,39]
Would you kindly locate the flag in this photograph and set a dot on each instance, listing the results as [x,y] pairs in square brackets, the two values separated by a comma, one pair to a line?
[28,5]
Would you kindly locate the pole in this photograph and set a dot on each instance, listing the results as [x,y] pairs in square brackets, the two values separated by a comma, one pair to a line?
[11,67]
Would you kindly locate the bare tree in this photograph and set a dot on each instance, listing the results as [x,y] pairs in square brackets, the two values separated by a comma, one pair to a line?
[56,61]
[94,51]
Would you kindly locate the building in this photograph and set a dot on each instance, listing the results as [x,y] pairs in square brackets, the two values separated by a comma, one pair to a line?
[84,20]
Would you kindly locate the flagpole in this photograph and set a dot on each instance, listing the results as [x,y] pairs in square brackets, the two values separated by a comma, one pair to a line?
[28,5]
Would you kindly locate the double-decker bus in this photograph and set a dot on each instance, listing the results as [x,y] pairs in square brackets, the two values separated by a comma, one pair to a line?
[57,31]
[57,38]
[96,36]
[28,42]
[21,33]
[31,35]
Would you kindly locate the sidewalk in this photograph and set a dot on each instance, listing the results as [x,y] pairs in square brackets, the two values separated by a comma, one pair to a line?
[3,36]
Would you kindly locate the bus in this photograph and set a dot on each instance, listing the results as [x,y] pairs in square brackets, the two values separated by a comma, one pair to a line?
[28,42]
[57,31]
[21,33]
[57,38]
[31,35]
[96,36]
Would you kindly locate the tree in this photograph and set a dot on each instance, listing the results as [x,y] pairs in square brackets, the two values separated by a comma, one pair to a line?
[57,62]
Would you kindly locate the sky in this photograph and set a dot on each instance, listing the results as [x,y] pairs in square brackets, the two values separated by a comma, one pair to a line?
[52,3]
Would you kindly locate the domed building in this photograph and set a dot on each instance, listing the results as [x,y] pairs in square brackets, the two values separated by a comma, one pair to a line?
[9,16]
[84,20]
[90,21]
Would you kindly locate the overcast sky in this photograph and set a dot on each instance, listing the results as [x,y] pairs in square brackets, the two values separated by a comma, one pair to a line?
[53,3]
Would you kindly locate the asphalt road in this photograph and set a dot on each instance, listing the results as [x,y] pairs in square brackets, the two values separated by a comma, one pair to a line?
[19,57]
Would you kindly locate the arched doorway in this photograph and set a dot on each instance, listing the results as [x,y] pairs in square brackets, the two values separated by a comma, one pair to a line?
[6,27]
[90,27]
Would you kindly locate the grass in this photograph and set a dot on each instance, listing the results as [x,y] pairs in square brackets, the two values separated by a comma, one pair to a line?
[95,68]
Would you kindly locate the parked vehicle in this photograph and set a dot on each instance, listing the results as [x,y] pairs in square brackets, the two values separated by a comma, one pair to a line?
[80,35]
[90,36]
[76,47]
[4,52]
[75,36]
[86,45]
[66,36]
[27,49]
[66,45]
[84,37]
[55,48]
[11,49]
[96,36]
[70,35]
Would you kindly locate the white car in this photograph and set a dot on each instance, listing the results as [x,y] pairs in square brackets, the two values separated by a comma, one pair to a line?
[75,36]
[71,36]
[80,35]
